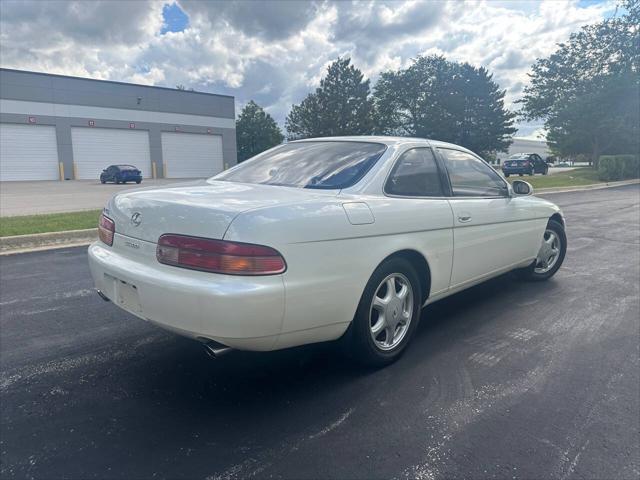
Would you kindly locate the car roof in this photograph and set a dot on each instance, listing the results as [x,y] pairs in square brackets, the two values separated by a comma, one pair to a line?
[387,140]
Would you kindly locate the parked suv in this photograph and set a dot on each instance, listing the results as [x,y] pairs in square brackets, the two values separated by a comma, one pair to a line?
[521,163]
[121,174]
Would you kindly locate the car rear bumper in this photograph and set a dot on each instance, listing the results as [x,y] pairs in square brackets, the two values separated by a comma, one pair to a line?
[516,170]
[238,311]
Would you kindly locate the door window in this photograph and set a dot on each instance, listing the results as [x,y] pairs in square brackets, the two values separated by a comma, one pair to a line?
[415,174]
[471,177]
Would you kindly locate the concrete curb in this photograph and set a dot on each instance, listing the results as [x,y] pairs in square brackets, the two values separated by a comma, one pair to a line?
[46,241]
[593,186]
[74,238]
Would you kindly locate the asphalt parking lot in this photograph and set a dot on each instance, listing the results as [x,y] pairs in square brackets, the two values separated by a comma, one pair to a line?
[507,380]
[30,198]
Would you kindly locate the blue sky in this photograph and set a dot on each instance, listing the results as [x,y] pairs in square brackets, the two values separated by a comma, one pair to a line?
[276,51]
[174,18]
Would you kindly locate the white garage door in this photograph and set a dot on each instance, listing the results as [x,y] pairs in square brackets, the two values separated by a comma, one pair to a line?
[189,155]
[28,152]
[94,149]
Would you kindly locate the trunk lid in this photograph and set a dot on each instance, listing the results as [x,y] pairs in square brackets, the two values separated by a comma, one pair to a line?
[201,209]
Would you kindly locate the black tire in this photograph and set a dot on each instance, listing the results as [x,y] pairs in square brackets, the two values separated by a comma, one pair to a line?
[529,273]
[546,170]
[103,181]
[138,181]
[520,174]
[358,339]
[507,175]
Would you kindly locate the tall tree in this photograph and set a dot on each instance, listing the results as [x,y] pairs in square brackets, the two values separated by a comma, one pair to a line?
[449,101]
[256,131]
[588,90]
[341,105]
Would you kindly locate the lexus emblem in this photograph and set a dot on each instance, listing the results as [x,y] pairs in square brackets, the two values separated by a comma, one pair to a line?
[136,219]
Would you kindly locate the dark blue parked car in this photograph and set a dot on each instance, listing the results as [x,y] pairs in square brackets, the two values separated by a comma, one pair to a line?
[524,164]
[121,174]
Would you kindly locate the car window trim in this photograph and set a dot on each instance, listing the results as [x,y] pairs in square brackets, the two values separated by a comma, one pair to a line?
[395,163]
[506,184]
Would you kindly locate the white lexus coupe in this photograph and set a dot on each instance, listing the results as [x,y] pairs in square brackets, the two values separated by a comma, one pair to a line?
[321,239]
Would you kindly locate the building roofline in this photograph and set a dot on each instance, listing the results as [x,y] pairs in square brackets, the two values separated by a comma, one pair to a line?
[2,69]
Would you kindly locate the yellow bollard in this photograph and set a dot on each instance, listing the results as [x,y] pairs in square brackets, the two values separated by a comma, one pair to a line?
[164,170]
[61,168]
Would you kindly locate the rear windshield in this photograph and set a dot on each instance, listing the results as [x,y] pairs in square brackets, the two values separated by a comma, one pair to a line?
[127,167]
[327,165]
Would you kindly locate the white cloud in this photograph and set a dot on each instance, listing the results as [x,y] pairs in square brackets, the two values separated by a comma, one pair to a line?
[276,52]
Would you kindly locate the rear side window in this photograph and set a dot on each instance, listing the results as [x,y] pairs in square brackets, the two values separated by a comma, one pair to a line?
[317,164]
[471,177]
[415,174]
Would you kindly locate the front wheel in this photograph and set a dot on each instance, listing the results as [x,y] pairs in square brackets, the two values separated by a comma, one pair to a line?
[550,256]
[507,175]
[387,315]
[138,181]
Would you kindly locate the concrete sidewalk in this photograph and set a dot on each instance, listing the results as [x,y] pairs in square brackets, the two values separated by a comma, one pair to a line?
[29,198]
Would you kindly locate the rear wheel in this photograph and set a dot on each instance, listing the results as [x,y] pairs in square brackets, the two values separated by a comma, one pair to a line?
[507,175]
[387,315]
[138,181]
[550,256]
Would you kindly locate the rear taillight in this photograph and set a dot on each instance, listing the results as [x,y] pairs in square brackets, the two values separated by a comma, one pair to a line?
[106,229]
[219,256]
[526,164]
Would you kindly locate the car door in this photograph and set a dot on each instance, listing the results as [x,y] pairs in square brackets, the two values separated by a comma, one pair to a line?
[416,201]
[492,231]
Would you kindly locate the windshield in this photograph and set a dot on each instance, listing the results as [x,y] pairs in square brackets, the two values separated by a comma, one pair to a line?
[327,165]
[127,167]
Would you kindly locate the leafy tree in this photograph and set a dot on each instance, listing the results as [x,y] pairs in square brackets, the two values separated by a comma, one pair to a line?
[443,100]
[340,106]
[256,131]
[588,90]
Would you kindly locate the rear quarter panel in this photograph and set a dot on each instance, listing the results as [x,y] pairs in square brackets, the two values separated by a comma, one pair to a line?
[329,260]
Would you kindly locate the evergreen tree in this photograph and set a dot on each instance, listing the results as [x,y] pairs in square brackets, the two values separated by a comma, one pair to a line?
[256,131]
[341,105]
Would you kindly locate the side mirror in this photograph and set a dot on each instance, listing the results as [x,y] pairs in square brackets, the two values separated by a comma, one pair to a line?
[522,188]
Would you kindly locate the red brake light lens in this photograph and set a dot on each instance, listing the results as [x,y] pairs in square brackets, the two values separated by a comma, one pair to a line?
[106,229]
[219,256]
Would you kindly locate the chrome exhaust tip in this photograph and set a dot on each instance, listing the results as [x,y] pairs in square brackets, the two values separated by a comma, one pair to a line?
[216,350]
[103,296]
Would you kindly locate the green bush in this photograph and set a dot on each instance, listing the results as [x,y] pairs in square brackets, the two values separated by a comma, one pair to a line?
[618,167]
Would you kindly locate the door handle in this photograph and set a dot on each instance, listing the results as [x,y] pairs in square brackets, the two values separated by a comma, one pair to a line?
[463,218]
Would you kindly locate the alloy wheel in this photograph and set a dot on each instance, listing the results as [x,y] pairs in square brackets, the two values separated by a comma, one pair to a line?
[391,311]
[549,252]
